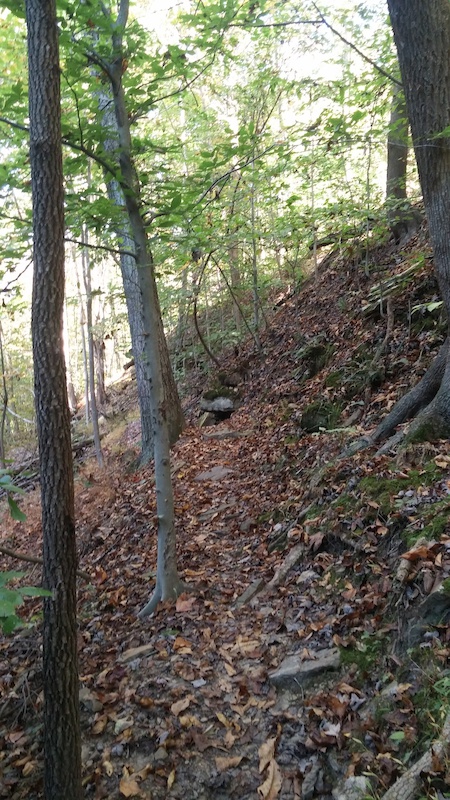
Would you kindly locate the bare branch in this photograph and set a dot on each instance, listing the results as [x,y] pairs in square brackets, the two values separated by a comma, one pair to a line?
[114,250]
[357,50]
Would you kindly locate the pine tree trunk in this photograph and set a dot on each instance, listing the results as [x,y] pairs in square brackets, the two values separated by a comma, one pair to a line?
[62,752]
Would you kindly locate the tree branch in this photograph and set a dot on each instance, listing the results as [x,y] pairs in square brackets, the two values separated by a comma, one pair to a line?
[35,560]
[357,50]
[114,250]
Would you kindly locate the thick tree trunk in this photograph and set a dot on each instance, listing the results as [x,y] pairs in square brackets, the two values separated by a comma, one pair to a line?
[62,752]
[422,36]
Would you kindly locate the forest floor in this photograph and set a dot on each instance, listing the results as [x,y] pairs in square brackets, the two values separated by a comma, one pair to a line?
[180,705]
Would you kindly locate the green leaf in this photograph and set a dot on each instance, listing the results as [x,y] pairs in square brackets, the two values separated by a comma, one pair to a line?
[9,576]
[176,201]
[34,591]
[397,736]
[9,623]
[15,511]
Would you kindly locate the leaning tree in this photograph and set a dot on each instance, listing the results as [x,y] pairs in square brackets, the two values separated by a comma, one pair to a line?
[422,37]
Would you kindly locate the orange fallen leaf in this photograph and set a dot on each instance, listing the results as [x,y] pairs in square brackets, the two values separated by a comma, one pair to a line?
[129,787]
[182,645]
[185,602]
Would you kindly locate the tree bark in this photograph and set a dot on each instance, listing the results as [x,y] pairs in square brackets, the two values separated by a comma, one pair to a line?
[400,215]
[168,583]
[133,292]
[62,751]
[422,36]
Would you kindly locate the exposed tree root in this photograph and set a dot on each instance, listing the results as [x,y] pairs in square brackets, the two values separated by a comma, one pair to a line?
[419,399]
[409,786]
[177,587]
[416,399]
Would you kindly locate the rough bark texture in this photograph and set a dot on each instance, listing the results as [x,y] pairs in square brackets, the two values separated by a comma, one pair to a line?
[62,756]
[136,301]
[422,36]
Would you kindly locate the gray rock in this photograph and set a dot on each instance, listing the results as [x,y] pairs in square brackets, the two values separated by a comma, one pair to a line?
[214,474]
[294,673]
[218,404]
[354,788]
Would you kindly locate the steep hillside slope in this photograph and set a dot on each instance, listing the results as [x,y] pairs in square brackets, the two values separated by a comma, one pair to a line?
[291,549]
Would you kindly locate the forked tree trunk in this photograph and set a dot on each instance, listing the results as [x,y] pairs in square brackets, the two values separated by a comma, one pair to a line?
[62,751]
[422,36]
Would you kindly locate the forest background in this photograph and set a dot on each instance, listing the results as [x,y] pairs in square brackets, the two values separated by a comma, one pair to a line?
[228,165]
[256,137]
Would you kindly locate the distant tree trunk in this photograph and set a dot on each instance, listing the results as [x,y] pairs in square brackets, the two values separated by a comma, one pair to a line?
[62,751]
[422,36]
[401,217]
[90,339]
[99,361]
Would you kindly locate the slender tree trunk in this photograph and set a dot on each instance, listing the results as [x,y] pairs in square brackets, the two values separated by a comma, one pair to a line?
[90,338]
[133,295]
[168,584]
[4,403]
[401,217]
[62,751]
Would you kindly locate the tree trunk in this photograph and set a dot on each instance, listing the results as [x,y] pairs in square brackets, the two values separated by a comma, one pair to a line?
[62,751]
[401,217]
[90,338]
[168,584]
[422,36]
[135,300]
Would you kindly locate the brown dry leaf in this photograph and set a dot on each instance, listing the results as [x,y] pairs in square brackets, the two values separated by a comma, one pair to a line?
[270,789]
[222,718]
[266,753]
[223,762]
[229,739]
[171,779]
[129,787]
[28,768]
[442,461]
[100,724]
[108,767]
[182,645]
[181,705]
[405,571]
[189,721]
[185,602]
[229,669]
